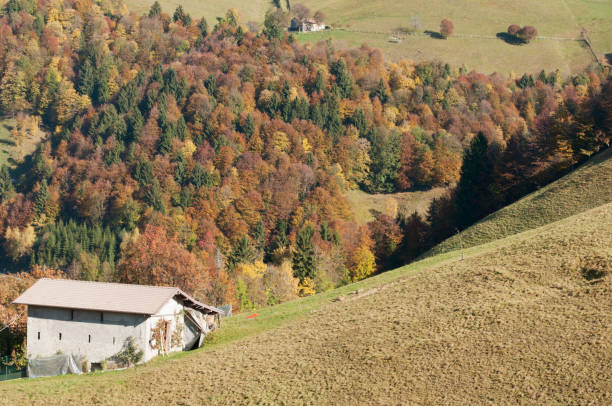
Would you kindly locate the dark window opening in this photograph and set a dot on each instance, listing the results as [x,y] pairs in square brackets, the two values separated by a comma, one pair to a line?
[102,317]
[89,339]
[60,336]
[71,314]
[39,335]
[113,340]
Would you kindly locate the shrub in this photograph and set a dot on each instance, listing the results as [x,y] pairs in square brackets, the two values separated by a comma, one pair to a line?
[130,354]
[446,28]
[513,29]
[594,267]
[527,33]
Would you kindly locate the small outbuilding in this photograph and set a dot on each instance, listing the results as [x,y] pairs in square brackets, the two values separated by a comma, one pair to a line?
[94,320]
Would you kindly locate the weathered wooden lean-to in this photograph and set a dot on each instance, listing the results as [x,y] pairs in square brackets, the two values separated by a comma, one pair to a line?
[96,323]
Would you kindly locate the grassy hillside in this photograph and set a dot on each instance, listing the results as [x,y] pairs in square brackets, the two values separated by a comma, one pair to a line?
[552,18]
[11,151]
[363,204]
[515,322]
[476,25]
[587,187]
[251,10]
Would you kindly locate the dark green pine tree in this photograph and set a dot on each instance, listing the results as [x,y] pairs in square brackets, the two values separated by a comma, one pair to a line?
[87,78]
[304,265]
[381,92]
[301,108]
[185,197]
[165,139]
[359,121]
[180,172]
[42,196]
[259,236]
[474,195]
[248,128]
[158,75]
[344,80]
[211,86]
[101,90]
[179,14]
[171,82]
[280,240]
[203,26]
[243,252]
[39,24]
[325,231]
[316,115]
[6,183]
[319,84]
[154,196]
[135,123]
[181,128]
[127,98]
[155,10]
[143,172]
[198,176]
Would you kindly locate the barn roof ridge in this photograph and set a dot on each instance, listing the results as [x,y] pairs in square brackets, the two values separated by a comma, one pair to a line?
[106,296]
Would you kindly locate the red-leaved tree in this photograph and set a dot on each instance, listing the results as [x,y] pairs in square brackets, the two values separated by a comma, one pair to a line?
[446,28]
[154,258]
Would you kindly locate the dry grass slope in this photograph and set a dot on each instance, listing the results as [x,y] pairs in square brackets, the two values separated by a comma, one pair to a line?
[587,187]
[12,152]
[516,322]
[407,203]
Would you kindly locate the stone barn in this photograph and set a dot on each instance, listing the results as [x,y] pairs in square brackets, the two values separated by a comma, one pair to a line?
[94,320]
[306,25]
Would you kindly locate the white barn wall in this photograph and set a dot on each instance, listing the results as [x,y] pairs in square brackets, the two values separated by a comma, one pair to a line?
[168,312]
[107,337]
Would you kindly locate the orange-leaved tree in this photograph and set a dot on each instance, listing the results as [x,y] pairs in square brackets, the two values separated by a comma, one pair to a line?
[155,258]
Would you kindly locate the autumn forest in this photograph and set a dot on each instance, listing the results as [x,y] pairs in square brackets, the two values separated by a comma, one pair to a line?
[210,157]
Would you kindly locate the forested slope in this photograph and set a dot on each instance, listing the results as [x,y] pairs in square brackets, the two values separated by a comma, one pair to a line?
[587,187]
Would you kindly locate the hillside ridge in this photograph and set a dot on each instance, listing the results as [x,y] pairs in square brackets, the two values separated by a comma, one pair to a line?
[588,186]
[453,332]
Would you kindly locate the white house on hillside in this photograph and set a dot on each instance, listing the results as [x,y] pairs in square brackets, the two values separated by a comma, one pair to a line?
[93,320]
[306,25]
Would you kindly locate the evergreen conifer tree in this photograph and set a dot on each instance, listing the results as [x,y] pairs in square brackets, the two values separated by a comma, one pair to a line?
[303,257]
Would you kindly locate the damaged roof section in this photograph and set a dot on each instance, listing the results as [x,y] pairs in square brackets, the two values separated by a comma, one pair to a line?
[108,297]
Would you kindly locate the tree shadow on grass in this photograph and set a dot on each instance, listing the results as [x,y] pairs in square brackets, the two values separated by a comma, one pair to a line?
[509,39]
[434,34]
[7,142]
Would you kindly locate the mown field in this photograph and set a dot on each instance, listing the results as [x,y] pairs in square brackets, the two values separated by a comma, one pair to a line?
[523,319]
[552,18]
[587,187]
[364,205]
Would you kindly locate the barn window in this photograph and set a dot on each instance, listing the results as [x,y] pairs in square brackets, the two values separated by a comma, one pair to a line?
[89,338]
[102,317]
[60,336]
[72,314]
[39,335]
[113,340]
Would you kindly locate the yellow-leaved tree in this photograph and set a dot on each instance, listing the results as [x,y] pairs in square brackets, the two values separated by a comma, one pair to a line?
[364,263]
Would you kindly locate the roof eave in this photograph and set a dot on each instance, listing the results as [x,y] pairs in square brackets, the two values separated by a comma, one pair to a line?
[91,309]
[196,304]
